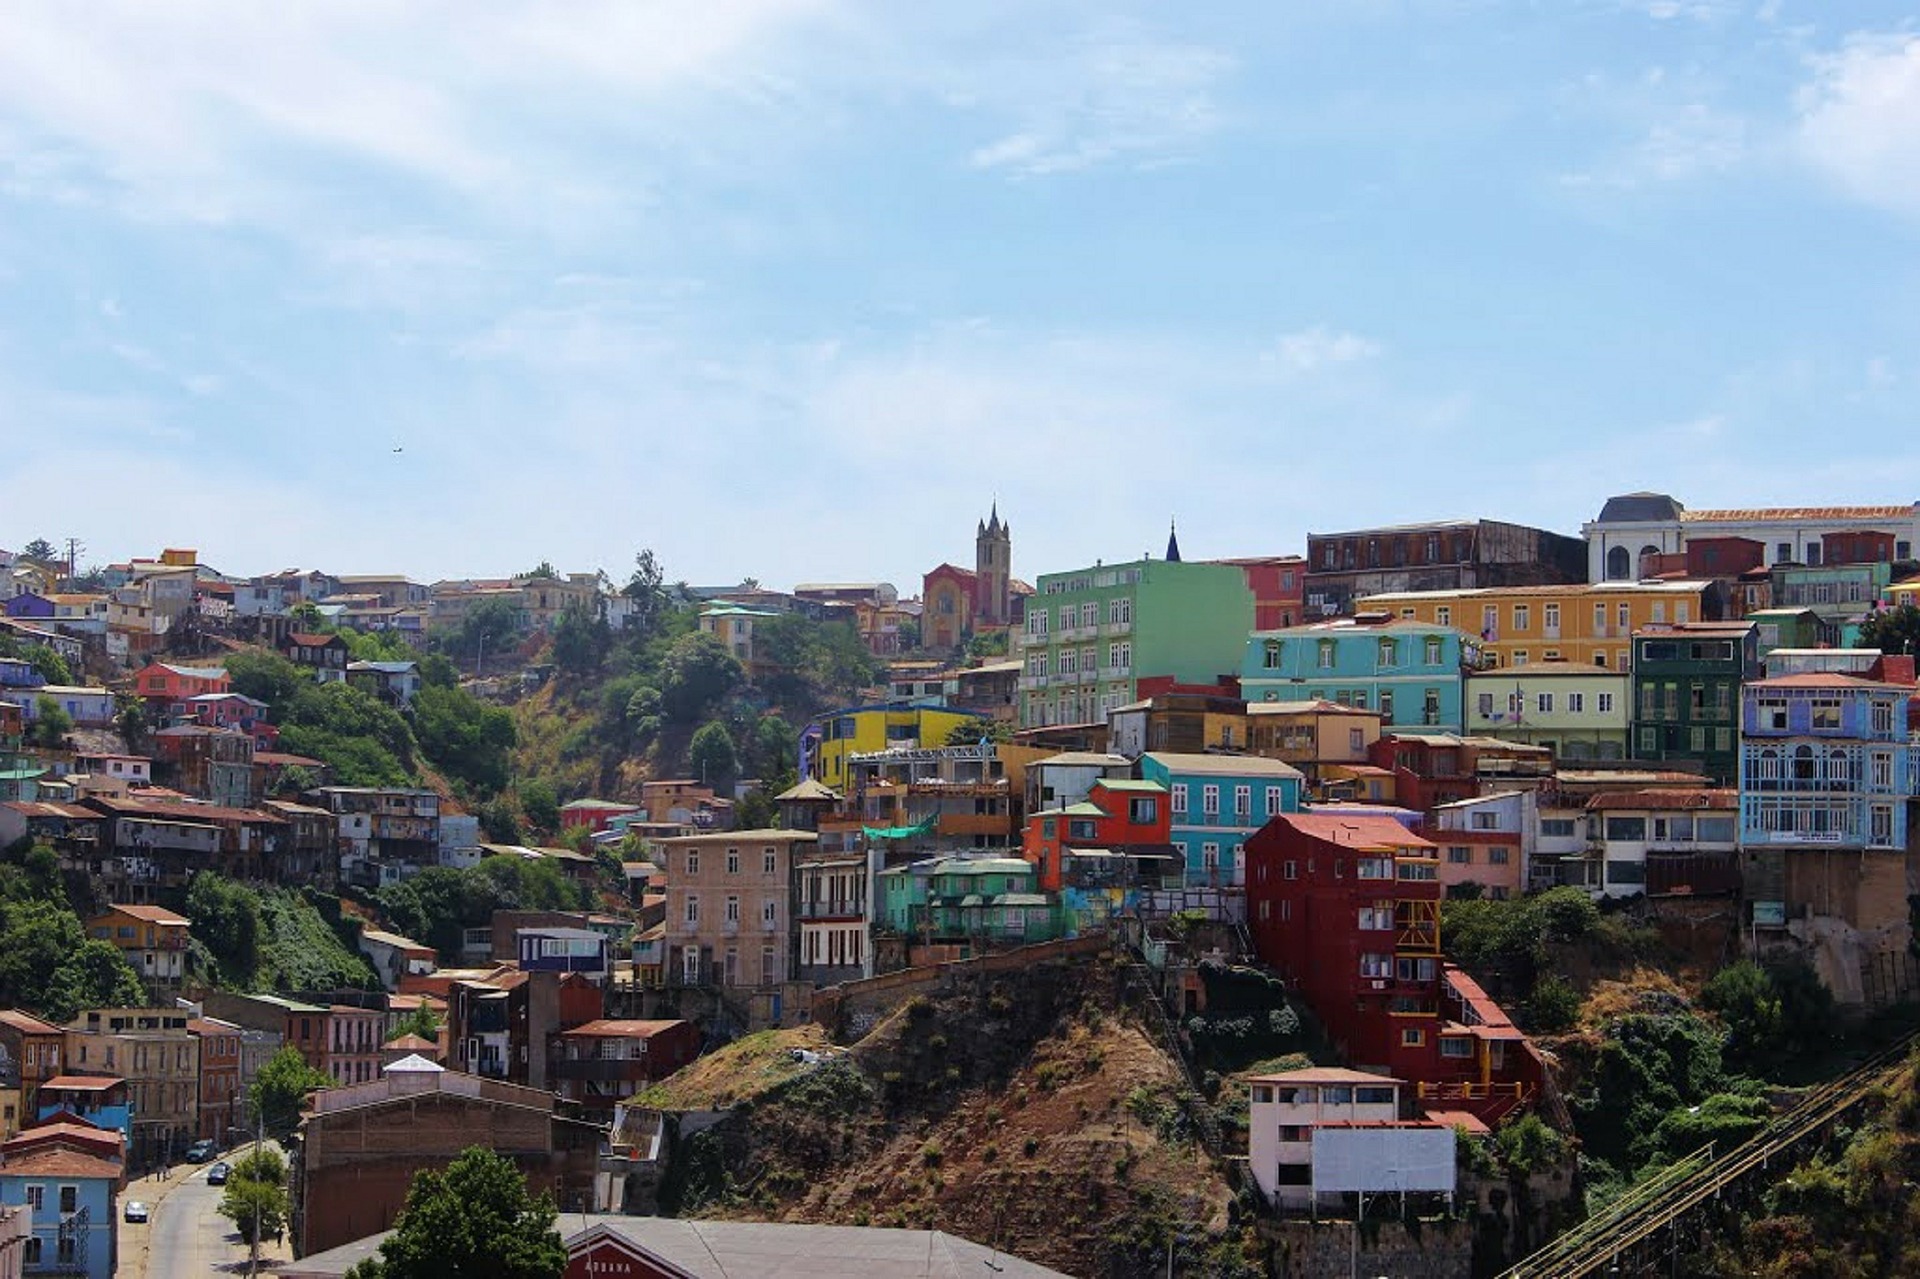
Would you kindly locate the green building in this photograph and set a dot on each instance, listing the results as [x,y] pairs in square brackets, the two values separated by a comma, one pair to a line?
[1093,634]
[1686,694]
[1791,628]
[986,899]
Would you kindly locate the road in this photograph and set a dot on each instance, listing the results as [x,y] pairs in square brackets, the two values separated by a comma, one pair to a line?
[187,1236]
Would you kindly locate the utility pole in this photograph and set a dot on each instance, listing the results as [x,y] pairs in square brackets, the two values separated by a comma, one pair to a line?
[74,547]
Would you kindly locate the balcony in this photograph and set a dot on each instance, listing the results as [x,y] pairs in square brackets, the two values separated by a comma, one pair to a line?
[1112,630]
[1071,634]
[1031,682]
[847,909]
[1116,672]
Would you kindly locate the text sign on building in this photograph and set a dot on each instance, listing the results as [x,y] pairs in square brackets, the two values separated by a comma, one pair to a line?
[1374,1160]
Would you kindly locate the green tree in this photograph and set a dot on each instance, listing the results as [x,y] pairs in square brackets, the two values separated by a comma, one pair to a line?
[475,1219]
[53,668]
[420,1021]
[489,627]
[971,732]
[544,569]
[280,1087]
[307,617]
[580,640]
[540,804]
[92,975]
[51,724]
[1892,630]
[463,736]
[39,935]
[255,1199]
[40,549]
[130,718]
[362,739]
[711,757]
[697,673]
[646,591]
[267,677]
[437,672]
[1748,1005]
[773,749]
[226,919]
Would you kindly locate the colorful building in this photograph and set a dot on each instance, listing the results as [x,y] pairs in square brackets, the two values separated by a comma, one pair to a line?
[1182,722]
[1119,815]
[967,900]
[1344,568]
[1483,843]
[1633,526]
[1580,712]
[956,602]
[167,684]
[1216,802]
[829,743]
[152,939]
[1686,686]
[1093,633]
[1411,672]
[1279,586]
[1591,624]
[1312,735]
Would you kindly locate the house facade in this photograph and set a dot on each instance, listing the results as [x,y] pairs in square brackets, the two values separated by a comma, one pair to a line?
[1119,815]
[152,939]
[1215,803]
[1343,568]
[1312,735]
[729,909]
[1591,624]
[1686,694]
[1634,525]
[1578,711]
[1091,634]
[1411,672]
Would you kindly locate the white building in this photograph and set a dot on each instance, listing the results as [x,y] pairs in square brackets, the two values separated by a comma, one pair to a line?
[1324,1132]
[1636,524]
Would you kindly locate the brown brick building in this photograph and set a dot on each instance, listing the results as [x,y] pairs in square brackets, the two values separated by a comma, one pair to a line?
[357,1148]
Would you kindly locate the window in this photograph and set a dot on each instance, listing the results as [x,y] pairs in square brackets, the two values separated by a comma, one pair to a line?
[733,861]
[1179,799]
[769,861]
[769,913]
[69,1200]
[1412,1037]
[1543,702]
[1627,829]
[1356,743]
[1522,617]
[1243,802]
[1486,706]
[1826,716]
[1880,824]
[1275,800]
[733,909]
[1623,617]
[37,1198]
[1326,655]
[1576,703]
[1290,870]
[1496,856]
[1210,801]
[1090,613]
[1120,612]
[1443,615]
[1376,966]
[1456,1046]
[693,861]
[1377,918]
[1882,719]
[1550,618]
[1389,652]
[1142,812]
[693,910]
[1459,855]
[1209,857]
[1067,661]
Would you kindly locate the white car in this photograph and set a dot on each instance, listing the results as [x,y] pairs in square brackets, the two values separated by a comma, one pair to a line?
[136,1211]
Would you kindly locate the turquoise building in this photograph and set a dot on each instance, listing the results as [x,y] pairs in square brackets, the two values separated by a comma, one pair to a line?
[1093,634]
[990,899]
[1413,673]
[1217,801]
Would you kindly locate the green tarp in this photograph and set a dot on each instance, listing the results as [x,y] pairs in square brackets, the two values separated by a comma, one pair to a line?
[902,832]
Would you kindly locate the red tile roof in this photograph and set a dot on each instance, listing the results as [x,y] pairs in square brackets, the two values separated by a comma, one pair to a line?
[149,914]
[62,1163]
[27,1022]
[1359,830]
[1750,514]
[1666,801]
[84,1083]
[619,1029]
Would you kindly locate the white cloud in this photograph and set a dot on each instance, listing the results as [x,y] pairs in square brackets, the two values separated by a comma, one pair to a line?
[1318,347]
[1859,120]
[1688,141]
[1115,96]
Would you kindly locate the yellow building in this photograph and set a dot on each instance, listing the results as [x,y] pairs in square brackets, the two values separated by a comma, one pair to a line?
[879,728]
[1591,623]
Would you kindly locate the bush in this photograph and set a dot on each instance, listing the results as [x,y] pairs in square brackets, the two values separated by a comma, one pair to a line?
[1527,1146]
[1554,1007]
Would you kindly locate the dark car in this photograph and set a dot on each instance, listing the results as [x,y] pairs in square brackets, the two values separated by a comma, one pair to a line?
[200,1151]
[217,1175]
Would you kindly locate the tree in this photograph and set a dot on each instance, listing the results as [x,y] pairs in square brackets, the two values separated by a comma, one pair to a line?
[1892,630]
[255,1199]
[92,975]
[489,626]
[53,668]
[130,718]
[580,640]
[39,549]
[540,804]
[280,1087]
[544,569]
[51,724]
[307,617]
[463,736]
[711,757]
[773,750]
[226,918]
[420,1021]
[697,673]
[974,731]
[645,589]
[475,1219]
[267,677]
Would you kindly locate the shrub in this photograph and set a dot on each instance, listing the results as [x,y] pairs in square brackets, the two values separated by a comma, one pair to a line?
[931,1154]
[1555,1005]
[1527,1146]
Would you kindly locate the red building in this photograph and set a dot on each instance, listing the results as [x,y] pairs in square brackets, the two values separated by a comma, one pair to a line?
[603,1063]
[1119,815]
[595,814]
[221,1106]
[1279,586]
[1426,770]
[162,682]
[1348,909]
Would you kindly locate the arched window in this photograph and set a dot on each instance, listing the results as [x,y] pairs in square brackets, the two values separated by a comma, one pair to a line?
[1769,776]
[1803,765]
[1619,564]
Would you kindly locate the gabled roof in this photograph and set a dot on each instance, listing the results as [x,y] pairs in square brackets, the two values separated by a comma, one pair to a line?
[1358,830]
[56,1162]
[1324,1075]
[150,914]
[1666,800]
[1225,765]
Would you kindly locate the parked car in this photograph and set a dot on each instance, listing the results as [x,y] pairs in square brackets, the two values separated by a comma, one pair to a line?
[136,1211]
[218,1174]
[200,1151]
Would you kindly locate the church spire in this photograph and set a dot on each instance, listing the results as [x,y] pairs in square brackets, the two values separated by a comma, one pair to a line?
[1173,543]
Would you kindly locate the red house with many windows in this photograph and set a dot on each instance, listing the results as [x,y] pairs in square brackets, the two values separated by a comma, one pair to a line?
[165,683]
[1118,815]
[1347,908]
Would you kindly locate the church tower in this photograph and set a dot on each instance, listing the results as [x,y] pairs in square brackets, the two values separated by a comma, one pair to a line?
[993,572]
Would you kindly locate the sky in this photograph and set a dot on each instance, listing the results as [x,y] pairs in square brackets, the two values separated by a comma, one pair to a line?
[796,289]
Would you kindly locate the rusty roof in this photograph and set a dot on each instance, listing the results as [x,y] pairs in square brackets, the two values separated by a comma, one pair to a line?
[1673,801]
[147,914]
[1756,513]
[621,1029]
[62,1163]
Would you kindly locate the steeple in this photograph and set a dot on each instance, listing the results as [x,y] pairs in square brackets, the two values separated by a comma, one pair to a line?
[1173,543]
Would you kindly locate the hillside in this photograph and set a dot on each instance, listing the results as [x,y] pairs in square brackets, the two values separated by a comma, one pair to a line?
[1028,1110]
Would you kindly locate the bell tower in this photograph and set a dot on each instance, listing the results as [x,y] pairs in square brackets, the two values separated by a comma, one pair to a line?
[993,571]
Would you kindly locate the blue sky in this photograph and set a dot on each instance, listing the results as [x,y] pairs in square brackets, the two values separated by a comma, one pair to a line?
[795,288]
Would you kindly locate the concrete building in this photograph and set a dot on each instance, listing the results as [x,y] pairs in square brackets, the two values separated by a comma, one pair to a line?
[729,907]
[1446,555]
[603,1063]
[152,939]
[1091,635]
[1317,1137]
[1216,802]
[223,1105]
[1412,672]
[159,1058]
[1686,682]
[358,1147]
[1313,735]
[1634,526]
[1578,711]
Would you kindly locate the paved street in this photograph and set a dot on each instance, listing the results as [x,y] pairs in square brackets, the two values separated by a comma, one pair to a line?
[187,1237]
